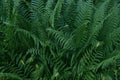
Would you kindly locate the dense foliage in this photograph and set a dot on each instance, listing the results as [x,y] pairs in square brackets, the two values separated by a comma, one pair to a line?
[59,40]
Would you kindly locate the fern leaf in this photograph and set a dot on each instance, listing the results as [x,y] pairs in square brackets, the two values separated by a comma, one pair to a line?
[57,11]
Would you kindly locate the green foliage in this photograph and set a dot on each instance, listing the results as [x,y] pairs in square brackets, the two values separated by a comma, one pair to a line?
[59,40]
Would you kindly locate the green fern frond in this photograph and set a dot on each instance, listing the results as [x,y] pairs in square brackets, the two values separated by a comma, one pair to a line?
[37,7]
[110,61]
[8,76]
[36,40]
[56,11]
[63,39]
[81,39]
[85,10]
[99,17]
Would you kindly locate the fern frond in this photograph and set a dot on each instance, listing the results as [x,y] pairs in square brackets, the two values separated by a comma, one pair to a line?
[17,64]
[113,21]
[114,37]
[24,11]
[99,17]
[81,39]
[36,40]
[63,39]
[8,76]
[57,11]
[110,61]
[37,7]
[84,10]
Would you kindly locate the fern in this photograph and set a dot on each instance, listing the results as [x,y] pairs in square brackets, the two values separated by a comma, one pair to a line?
[6,76]
[56,11]
[59,40]
[36,40]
